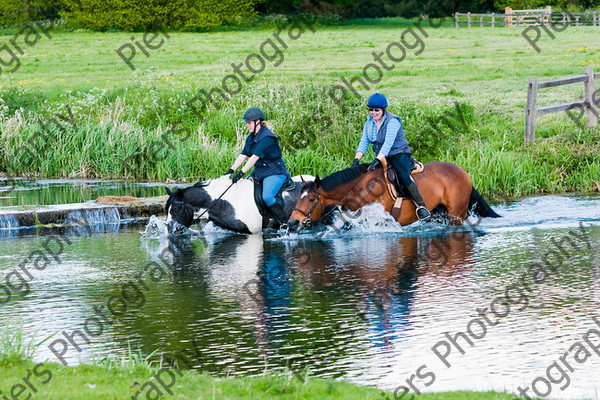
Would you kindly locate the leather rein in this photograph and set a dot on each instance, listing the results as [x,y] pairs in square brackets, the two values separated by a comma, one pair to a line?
[308,214]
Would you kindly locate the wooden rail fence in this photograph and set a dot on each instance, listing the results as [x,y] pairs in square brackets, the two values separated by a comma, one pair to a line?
[532,110]
[515,18]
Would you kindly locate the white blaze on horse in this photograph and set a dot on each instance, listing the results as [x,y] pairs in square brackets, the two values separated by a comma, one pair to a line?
[228,206]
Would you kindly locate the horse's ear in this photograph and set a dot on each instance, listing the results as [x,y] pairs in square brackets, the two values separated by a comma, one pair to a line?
[169,192]
[303,181]
[317,182]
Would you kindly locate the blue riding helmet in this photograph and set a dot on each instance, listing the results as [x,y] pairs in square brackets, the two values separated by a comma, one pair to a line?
[377,100]
[253,113]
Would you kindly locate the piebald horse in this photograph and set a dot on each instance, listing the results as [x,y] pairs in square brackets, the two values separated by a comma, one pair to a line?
[228,206]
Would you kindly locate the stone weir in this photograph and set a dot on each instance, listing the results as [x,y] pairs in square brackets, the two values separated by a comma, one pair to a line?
[104,210]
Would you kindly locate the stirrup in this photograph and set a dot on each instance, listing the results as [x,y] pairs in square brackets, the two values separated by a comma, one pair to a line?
[422,213]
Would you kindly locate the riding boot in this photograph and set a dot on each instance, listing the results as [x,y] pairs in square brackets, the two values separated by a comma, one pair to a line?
[422,211]
[277,211]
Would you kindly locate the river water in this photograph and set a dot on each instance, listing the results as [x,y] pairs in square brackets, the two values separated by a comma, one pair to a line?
[373,303]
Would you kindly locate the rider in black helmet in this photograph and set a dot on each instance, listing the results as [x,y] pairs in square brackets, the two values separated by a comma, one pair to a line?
[264,154]
[384,130]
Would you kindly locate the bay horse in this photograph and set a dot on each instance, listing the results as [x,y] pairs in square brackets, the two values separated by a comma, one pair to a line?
[229,206]
[445,187]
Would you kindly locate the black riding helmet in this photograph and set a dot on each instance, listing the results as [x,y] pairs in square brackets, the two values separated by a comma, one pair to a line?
[253,114]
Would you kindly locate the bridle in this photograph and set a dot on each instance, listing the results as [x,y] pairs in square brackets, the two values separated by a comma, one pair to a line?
[308,214]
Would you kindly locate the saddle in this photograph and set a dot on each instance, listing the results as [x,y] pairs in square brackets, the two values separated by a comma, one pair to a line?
[288,185]
[398,192]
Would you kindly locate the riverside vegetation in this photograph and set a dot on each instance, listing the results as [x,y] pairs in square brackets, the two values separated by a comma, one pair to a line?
[118,114]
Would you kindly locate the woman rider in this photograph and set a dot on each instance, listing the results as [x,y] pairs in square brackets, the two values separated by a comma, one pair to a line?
[264,154]
[384,130]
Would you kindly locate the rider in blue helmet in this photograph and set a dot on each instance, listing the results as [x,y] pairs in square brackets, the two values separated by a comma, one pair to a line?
[264,154]
[384,130]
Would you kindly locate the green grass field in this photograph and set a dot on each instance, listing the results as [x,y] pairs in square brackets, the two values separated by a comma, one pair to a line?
[120,113]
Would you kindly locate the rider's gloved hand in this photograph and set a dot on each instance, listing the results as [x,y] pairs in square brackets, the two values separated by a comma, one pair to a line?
[229,172]
[239,175]
[376,163]
[355,162]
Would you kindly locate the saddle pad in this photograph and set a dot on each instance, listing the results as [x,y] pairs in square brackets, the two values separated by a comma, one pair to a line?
[417,167]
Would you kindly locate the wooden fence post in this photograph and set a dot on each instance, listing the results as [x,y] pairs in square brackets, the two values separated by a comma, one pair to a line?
[456,19]
[548,15]
[469,19]
[493,20]
[531,110]
[590,110]
[481,21]
[508,17]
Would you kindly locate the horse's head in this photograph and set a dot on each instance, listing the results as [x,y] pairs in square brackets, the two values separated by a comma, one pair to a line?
[180,214]
[350,188]
[309,206]
[182,204]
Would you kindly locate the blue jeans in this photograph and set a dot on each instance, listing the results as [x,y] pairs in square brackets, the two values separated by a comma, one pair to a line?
[271,186]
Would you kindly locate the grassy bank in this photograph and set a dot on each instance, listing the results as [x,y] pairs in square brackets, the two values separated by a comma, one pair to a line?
[462,100]
[134,375]
[96,382]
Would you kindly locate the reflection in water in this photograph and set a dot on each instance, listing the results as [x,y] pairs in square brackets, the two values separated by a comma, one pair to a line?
[377,279]
[366,308]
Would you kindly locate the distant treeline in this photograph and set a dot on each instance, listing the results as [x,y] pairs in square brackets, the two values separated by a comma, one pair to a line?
[199,15]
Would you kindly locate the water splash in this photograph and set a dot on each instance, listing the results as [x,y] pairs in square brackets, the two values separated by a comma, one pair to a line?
[156,228]
[371,218]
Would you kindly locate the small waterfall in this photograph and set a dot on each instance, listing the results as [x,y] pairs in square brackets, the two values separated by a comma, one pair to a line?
[9,226]
[105,219]
[8,222]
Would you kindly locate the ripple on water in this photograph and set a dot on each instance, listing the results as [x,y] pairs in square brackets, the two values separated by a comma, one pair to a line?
[367,304]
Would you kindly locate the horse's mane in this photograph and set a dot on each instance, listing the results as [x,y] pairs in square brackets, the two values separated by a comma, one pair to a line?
[201,184]
[330,182]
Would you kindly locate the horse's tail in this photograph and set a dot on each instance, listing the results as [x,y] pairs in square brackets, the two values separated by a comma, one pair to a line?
[480,206]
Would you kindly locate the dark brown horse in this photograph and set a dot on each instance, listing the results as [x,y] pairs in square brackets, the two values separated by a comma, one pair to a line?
[444,186]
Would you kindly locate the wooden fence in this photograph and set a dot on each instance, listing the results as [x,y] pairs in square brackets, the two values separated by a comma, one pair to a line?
[526,18]
[532,110]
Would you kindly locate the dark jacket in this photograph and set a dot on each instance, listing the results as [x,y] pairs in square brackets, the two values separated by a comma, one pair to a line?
[266,146]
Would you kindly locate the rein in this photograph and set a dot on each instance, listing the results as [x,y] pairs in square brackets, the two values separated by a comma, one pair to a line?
[307,215]
[218,198]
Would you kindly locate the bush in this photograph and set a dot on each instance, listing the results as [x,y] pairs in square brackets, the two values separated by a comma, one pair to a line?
[131,15]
